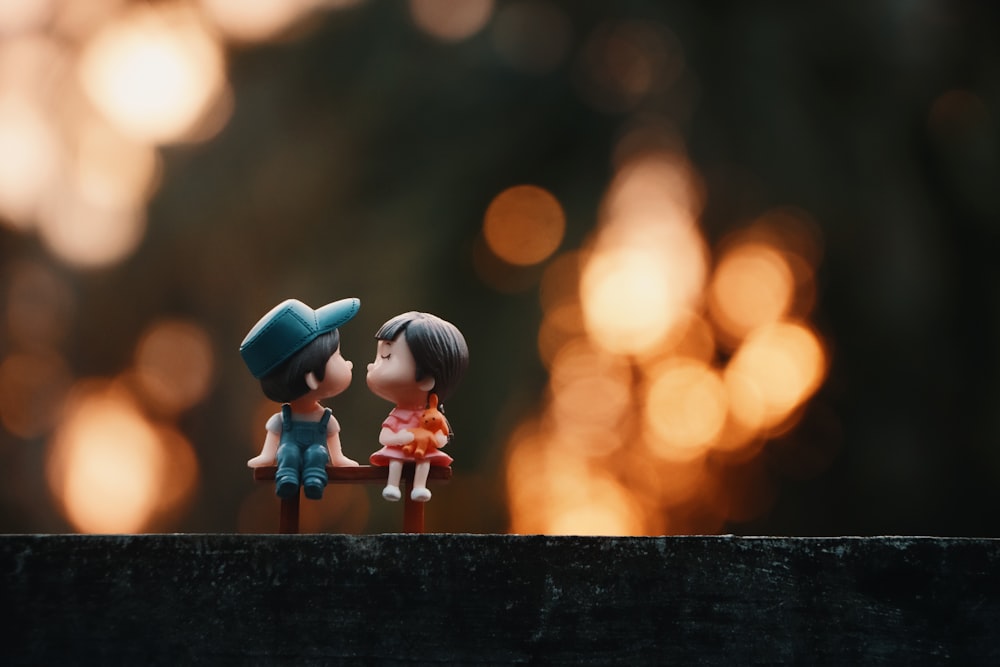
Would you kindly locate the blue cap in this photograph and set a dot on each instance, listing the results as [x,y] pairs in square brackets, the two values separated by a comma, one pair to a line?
[287,328]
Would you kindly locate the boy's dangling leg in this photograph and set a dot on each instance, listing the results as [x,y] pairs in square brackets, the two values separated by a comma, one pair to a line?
[286,479]
[314,477]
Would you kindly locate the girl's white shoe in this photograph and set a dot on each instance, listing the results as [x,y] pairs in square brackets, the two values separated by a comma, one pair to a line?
[420,495]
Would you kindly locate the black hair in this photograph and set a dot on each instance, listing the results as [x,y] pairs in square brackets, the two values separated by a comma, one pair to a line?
[287,382]
[438,348]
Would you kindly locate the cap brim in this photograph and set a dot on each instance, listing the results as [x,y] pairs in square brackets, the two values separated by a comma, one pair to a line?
[334,315]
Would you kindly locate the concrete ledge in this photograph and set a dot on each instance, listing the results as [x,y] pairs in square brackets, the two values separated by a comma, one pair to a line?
[465,599]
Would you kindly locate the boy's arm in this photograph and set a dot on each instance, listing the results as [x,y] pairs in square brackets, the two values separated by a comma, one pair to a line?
[337,457]
[267,452]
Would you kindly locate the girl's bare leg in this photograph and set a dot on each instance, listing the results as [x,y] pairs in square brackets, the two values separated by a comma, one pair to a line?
[420,492]
[391,491]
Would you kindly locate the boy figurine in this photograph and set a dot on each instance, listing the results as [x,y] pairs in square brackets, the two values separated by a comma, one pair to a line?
[419,359]
[295,353]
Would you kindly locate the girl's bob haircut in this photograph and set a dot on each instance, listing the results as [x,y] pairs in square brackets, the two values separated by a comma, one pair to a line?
[438,348]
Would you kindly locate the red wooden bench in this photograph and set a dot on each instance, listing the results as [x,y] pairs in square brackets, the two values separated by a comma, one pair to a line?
[413,512]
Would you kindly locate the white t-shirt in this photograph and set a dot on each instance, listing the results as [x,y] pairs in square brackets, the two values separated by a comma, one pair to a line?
[275,422]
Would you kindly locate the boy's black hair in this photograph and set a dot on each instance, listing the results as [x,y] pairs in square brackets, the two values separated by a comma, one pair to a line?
[287,382]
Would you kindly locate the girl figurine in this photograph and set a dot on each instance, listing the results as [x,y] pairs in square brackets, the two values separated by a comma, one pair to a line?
[419,359]
[295,353]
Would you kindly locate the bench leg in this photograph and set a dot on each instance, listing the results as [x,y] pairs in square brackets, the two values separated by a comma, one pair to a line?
[289,519]
[413,515]
[413,512]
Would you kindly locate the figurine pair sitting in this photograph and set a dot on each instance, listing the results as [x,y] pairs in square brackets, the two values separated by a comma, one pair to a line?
[295,353]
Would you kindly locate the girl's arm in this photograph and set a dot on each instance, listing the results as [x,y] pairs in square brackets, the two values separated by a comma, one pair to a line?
[389,438]
[441,438]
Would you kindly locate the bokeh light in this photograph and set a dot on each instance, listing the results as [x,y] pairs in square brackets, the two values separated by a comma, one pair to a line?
[590,393]
[685,407]
[666,376]
[451,20]
[793,234]
[692,338]
[560,324]
[752,286]
[776,369]
[110,468]
[109,169]
[651,188]
[174,365]
[524,225]
[628,298]
[601,506]
[18,16]
[87,92]
[250,21]
[155,72]
[552,492]
[647,264]
[89,234]
[32,66]
[30,159]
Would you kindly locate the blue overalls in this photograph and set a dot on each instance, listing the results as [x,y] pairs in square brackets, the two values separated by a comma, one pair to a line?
[302,453]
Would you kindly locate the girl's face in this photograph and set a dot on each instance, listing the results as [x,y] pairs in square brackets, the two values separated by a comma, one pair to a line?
[392,375]
[338,375]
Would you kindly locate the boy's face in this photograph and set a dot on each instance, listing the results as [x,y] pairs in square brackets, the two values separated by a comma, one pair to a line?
[338,375]
[392,375]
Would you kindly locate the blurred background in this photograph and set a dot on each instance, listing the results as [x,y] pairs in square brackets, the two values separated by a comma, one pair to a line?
[725,267]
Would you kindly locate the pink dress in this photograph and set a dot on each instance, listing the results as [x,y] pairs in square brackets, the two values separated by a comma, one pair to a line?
[398,420]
